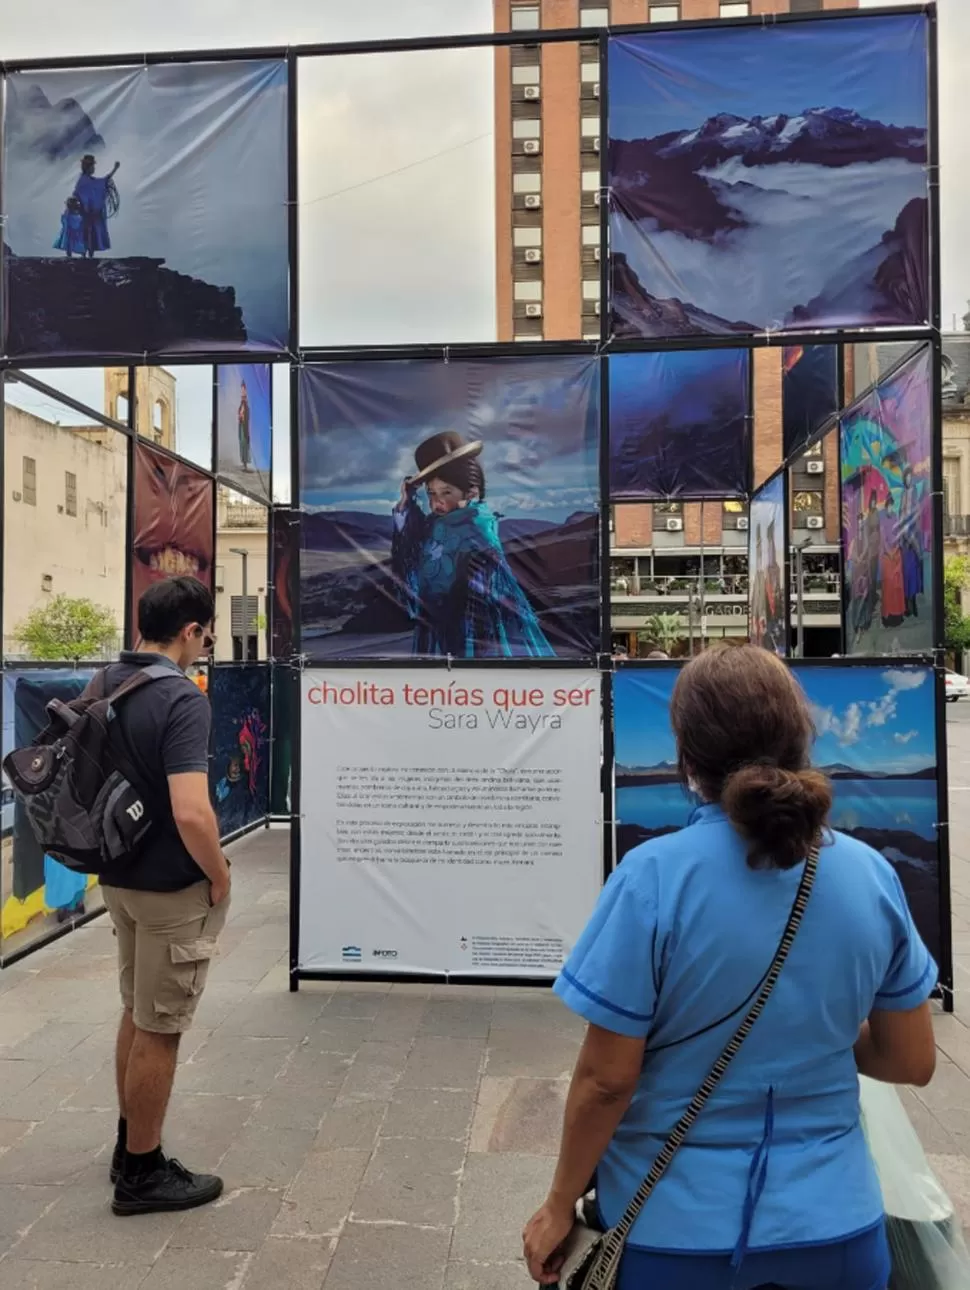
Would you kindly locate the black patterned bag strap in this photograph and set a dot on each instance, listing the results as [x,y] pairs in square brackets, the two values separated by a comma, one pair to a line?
[615,1238]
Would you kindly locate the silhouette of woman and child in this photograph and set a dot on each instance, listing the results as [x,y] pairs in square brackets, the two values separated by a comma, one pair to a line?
[84,224]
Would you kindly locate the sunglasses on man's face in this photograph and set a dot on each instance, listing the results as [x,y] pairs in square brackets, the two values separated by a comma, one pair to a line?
[208,638]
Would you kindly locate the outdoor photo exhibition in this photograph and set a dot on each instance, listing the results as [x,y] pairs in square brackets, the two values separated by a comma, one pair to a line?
[484,653]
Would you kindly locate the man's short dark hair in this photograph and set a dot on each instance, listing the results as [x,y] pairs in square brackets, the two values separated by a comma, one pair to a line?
[166,607]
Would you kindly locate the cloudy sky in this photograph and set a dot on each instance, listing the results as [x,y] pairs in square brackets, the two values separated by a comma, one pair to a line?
[396,156]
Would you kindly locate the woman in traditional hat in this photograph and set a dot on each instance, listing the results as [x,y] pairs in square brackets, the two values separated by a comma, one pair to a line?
[461,593]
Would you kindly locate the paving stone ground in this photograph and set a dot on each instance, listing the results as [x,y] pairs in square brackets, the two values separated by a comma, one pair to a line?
[371,1137]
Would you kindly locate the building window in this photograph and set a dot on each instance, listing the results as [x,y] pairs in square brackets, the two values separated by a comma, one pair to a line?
[527,182]
[665,13]
[733,512]
[121,407]
[70,493]
[807,502]
[30,481]
[591,288]
[591,181]
[528,290]
[591,232]
[598,17]
[952,499]
[527,236]
[589,73]
[590,127]
[525,17]
[525,75]
[735,8]
[526,128]
[668,516]
[238,608]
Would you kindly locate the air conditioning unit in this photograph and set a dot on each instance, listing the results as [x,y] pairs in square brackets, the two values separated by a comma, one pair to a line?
[596,89]
[816,466]
[596,199]
[742,523]
[531,92]
[533,255]
[815,522]
[531,146]
[533,311]
[596,253]
[532,201]
[596,145]
[596,309]
[674,524]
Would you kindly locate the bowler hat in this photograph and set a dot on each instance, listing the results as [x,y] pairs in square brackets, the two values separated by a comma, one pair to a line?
[441,450]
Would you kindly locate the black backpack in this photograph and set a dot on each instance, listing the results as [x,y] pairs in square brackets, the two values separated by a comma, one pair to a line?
[78,793]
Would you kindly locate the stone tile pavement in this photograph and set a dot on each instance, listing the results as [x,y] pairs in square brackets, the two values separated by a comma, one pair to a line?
[370,1137]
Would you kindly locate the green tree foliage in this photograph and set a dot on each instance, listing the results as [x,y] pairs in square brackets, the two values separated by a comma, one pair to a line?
[956,579]
[68,629]
[664,631]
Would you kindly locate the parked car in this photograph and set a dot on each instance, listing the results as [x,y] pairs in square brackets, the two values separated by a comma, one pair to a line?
[957,687]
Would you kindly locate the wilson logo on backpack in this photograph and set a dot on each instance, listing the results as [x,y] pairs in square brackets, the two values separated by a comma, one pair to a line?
[76,788]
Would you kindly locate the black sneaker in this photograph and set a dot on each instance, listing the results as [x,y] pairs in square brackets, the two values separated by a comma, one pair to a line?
[168,1188]
[117,1162]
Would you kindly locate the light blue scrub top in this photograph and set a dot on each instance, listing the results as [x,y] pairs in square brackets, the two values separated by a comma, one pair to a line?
[680,940]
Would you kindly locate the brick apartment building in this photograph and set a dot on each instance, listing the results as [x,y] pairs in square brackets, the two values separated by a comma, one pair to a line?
[687,558]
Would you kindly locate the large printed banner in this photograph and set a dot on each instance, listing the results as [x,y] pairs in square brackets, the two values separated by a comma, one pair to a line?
[769,177]
[244,426]
[767,568]
[239,769]
[887,513]
[146,209]
[809,393]
[451,821]
[173,530]
[679,424]
[450,509]
[876,739]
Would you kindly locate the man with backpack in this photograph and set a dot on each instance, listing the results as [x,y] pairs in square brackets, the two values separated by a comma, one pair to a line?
[169,899]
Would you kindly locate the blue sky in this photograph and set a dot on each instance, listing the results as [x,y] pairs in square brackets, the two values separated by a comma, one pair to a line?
[676,80]
[872,718]
[538,419]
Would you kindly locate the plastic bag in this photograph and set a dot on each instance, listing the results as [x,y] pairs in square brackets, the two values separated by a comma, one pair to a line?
[928,1249]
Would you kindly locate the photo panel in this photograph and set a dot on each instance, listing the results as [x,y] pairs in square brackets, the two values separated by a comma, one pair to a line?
[770,177]
[680,425]
[65,520]
[239,767]
[768,566]
[876,739]
[391,147]
[650,799]
[451,819]
[146,209]
[285,537]
[450,509]
[38,895]
[809,393]
[173,408]
[281,757]
[173,523]
[886,475]
[242,575]
[244,426]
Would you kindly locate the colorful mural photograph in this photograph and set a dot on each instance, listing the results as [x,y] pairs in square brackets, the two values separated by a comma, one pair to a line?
[244,426]
[450,509]
[809,393]
[285,529]
[239,770]
[767,579]
[679,425]
[145,209]
[887,513]
[876,740]
[37,893]
[173,530]
[769,177]
[651,800]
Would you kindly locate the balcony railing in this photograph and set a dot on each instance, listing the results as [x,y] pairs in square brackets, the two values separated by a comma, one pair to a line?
[956,525]
[817,584]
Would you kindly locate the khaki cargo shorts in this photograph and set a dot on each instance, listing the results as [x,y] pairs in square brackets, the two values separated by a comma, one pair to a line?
[166,940]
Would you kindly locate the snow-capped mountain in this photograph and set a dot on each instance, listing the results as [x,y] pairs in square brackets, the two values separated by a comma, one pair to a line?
[821,136]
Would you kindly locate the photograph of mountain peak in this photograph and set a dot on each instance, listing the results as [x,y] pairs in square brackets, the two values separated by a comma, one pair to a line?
[145,209]
[450,509]
[769,178]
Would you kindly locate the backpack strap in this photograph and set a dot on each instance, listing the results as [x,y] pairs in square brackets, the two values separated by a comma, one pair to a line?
[98,686]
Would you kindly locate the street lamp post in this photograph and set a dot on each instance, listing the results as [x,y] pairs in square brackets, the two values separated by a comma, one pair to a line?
[800,596]
[244,556]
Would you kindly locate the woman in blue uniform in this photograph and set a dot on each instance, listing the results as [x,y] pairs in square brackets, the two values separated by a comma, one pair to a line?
[774,1186]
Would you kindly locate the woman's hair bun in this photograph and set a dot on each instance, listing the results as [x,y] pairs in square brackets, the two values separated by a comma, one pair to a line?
[780,812]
